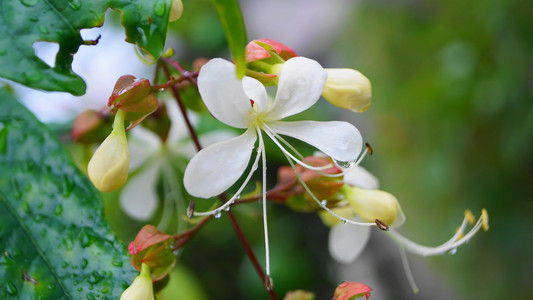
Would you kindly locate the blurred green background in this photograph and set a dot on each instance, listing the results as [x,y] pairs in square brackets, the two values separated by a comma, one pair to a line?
[452,128]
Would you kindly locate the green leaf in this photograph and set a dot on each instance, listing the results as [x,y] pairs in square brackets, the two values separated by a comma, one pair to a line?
[231,19]
[54,241]
[23,22]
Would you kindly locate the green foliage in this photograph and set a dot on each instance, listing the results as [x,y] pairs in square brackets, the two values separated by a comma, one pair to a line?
[230,16]
[54,241]
[25,22]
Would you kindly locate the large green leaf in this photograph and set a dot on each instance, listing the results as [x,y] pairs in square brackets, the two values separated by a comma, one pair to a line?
[231,19]
[54,241]
[23,22]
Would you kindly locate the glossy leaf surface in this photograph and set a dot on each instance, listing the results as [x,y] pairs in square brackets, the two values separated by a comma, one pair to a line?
[54,241]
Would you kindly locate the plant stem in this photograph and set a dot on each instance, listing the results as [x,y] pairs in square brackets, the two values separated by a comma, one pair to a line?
[183,110]
[198,146]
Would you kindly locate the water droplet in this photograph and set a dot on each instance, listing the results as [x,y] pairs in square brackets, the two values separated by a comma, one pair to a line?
[236,198]
[159,8]
[453,251]
[38,218]
[324,202]
[145,56]
[26,207]
[80,289]
[11,288]
[29,2]
[217,214]
[227,208]
[117,263]
[95,278]
[343,221]
[90,296]
[84,263]
[104,290]
[58,210]
[33,75]
[75,4]
[43,29]
[345,164]
[65,264]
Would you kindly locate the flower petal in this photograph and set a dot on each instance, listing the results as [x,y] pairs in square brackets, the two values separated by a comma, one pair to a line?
[142,144]
[257,92]
[217,167]
[360,177]
[339,140]
[139,198]
[223,93]
[347,241]
[301,82]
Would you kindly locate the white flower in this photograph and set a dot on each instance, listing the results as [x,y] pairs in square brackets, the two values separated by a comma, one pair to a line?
[245,104]
[151,159]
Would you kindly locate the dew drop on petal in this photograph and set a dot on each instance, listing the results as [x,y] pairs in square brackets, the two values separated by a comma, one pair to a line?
[217,215]
[345,164]
[324,202]
[453,251]
[343,221]
[227,208]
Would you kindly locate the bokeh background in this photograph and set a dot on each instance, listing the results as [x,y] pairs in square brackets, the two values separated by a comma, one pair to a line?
[451,125]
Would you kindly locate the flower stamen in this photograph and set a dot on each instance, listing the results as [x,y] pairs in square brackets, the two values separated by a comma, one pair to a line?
[323,204]
[457,240]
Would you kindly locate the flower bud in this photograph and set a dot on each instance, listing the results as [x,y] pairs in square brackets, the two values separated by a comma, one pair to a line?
[153,248]
[108,168]
[90,127]
[348,88]
[351,290]
[374,204]
[133,95]
[141,288]
[299,295]
[176,9]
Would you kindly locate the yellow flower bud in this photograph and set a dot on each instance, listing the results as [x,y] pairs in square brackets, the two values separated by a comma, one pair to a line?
[108,168]
[348,88]
[176,9]
[374,204]
[141,288]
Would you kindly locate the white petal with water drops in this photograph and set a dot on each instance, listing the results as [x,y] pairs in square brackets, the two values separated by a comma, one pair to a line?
[217,167]
[340,140]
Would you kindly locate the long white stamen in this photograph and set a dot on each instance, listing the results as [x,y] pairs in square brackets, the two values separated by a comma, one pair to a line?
[323,205]
[265,223]
[302,161]
[407,270]
[451,244]
[273,137]
[237,194]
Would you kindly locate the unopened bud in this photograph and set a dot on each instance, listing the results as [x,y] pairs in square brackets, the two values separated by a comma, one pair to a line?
[348,88]
[175,10]
[135,96]
[141,288]
[374,204]
[90,127]
[108,168]
[153,248]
